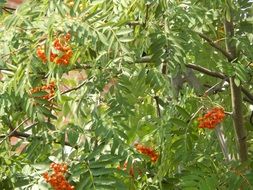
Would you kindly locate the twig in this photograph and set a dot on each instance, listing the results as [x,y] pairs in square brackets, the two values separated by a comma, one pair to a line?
[146,16]
[14,130]
[194,115]
[157,106]
[12,9]
[6,10]
[27,135]
[84,67]
[214,88]
[228,113]
[135,23]
[17,134]
[71,89]
[14,51]
[75,88]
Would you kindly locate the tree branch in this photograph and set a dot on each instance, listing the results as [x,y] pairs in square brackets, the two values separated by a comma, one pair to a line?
[248,94]
[238,119]
[14,130]
[9,8]
[206,71]
[6,10]
[218,75]
[213,44]
[19,134]
[75,88]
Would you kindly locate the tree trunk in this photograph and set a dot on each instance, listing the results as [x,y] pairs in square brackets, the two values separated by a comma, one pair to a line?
[236,97]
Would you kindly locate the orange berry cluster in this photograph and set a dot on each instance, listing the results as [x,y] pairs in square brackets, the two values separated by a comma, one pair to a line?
[49,89]
[211,118]
[57,179]
[61,46]
[147,151]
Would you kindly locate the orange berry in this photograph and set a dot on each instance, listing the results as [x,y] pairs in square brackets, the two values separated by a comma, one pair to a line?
[67,36]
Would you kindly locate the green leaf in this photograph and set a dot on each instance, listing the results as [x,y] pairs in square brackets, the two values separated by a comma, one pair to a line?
[73,136]
[228,14]
[85,180]
[21,181]
[39,94]
[102,38]
[50,126]
[96,151]
[183,112]
[42,101]
[46,112]
[178,122]
[60,8]
[103,163]
[124,31]
[75,7]
[237,82]
[102,171]
[126,39]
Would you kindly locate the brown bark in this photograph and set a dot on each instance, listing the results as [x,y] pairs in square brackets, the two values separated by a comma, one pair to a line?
[236,96]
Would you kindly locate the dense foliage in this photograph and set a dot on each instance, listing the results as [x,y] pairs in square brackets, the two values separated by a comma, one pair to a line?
[126,94]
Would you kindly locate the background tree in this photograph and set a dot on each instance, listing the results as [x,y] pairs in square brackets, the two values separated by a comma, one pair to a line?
[118,95]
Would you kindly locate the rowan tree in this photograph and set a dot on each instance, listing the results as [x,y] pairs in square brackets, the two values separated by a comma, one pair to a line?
[108,94]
